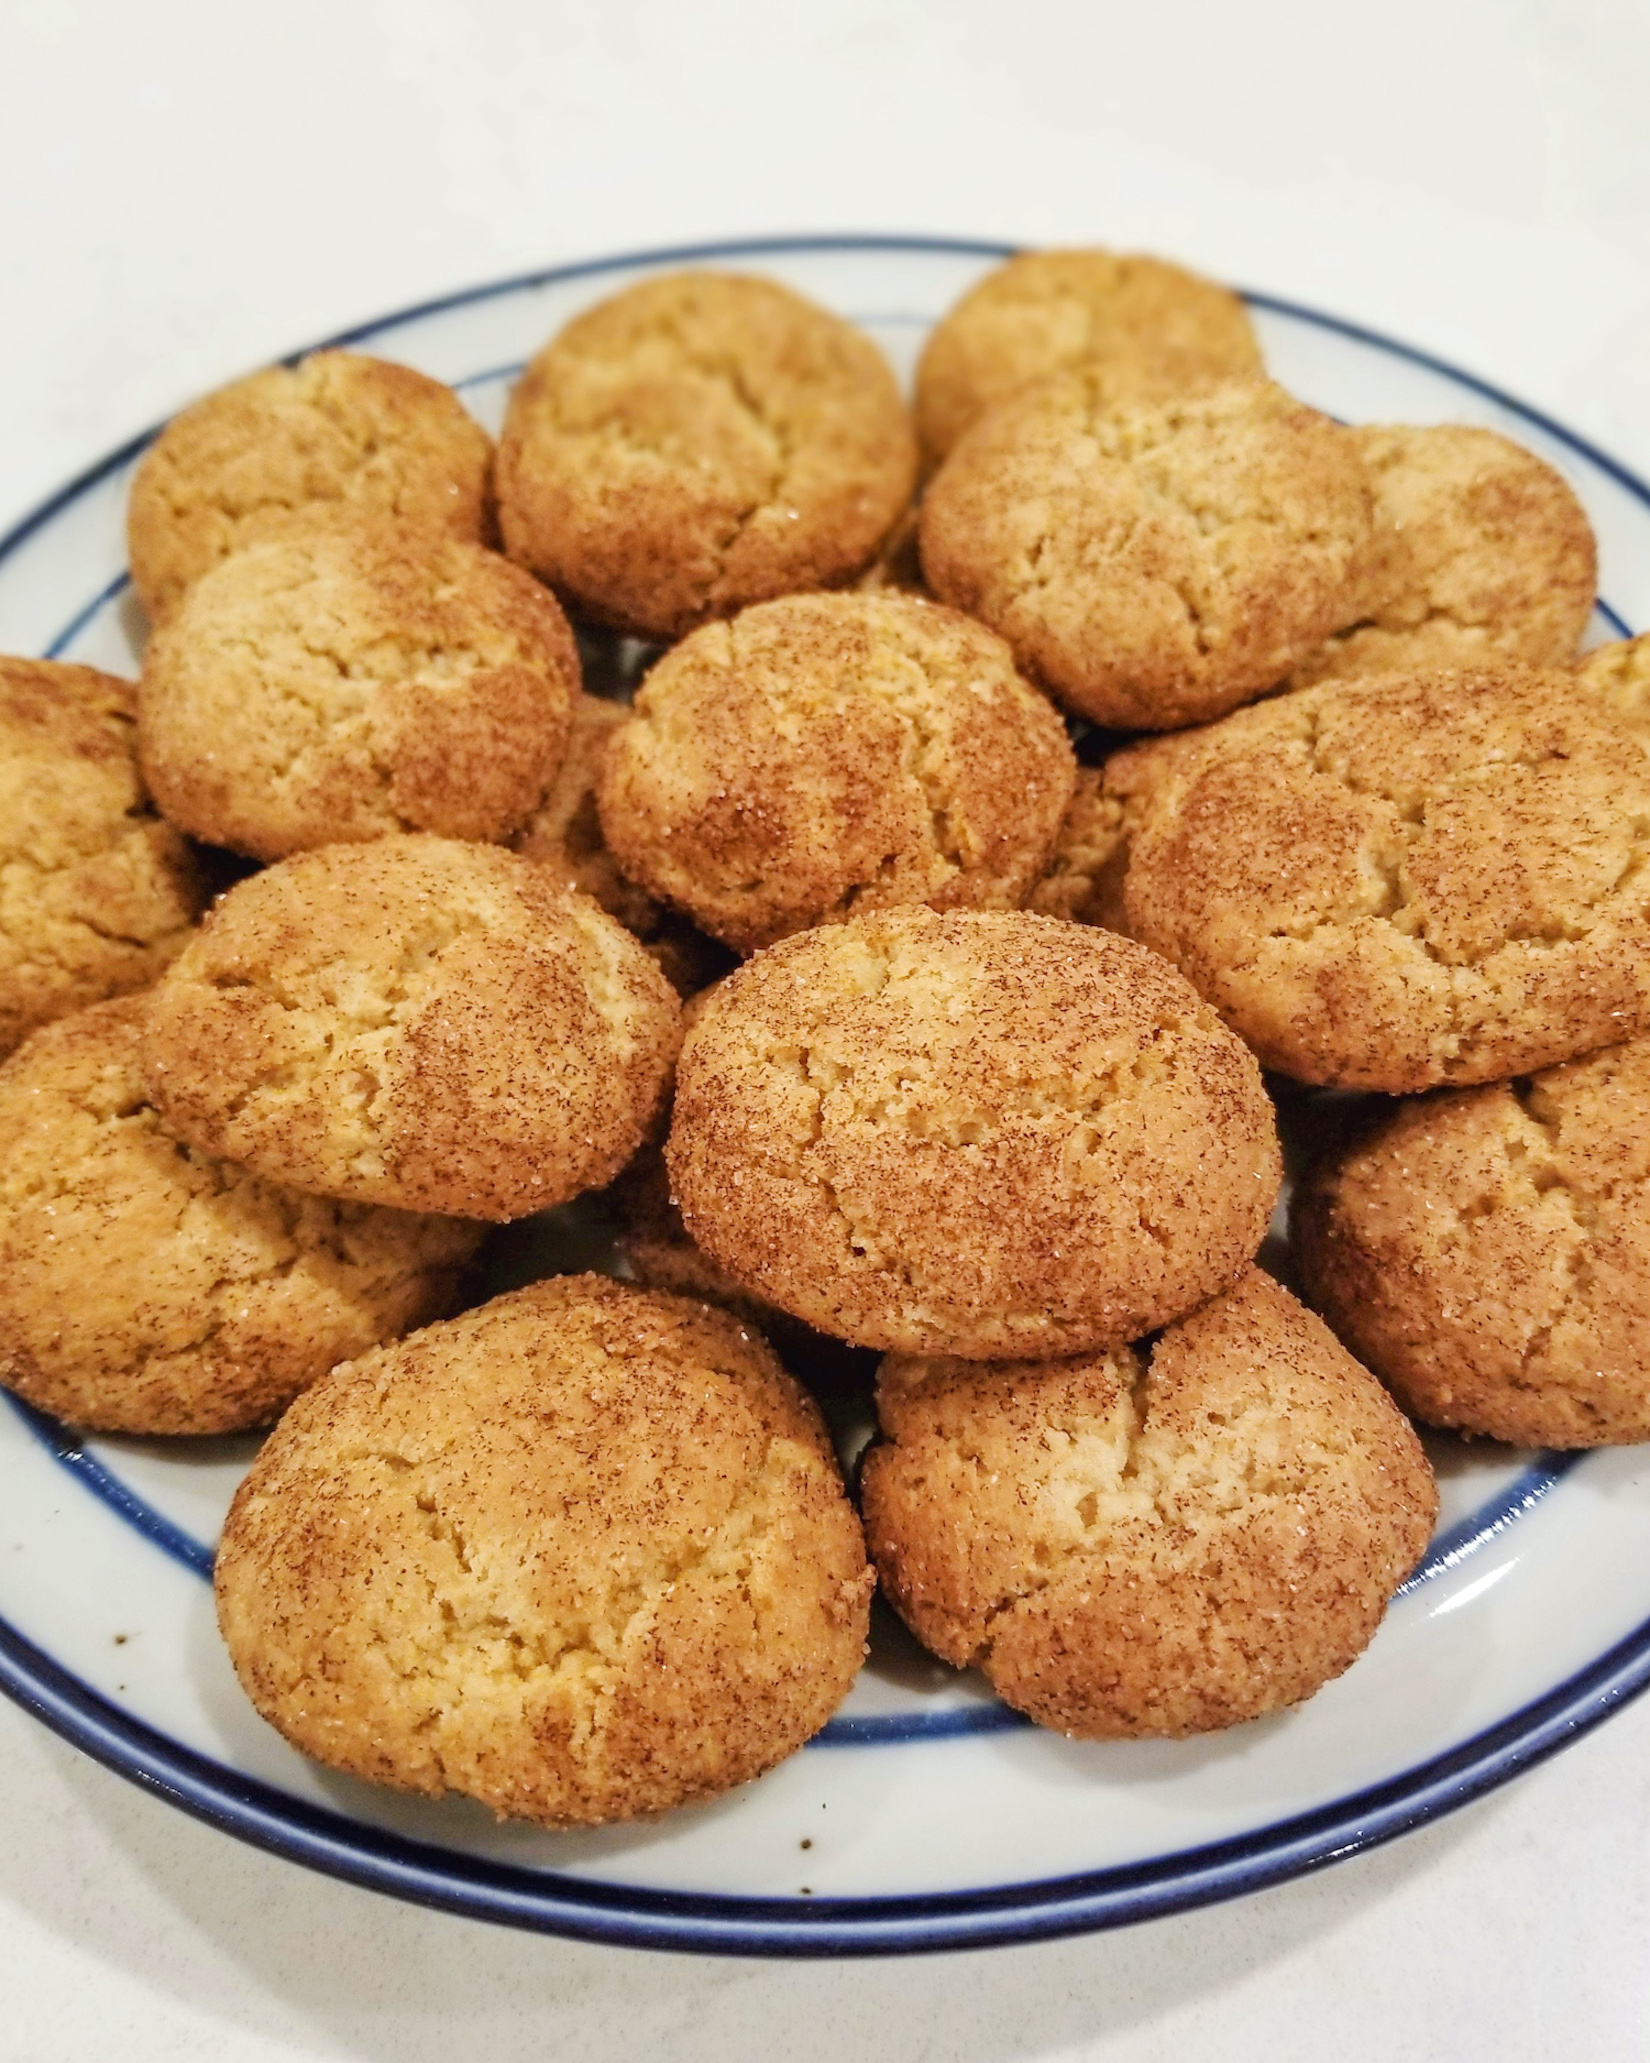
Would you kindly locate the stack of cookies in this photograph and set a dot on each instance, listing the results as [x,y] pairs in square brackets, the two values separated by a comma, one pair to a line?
[895,1002]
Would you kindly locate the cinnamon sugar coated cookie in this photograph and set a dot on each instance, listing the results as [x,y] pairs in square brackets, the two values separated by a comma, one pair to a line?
[975,1133]
[355,678]
[698,442]
[1481,552]
[1083,881]
[829,753]
[1157,1541]
[1619,674]
[339,430]
[97,894]
[1152,562]
[583,1554]
[149,1288]
[1487,1252]
[1045,311]
[1409,881]
[414,1022]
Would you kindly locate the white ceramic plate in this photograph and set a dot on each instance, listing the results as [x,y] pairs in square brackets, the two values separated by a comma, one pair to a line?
[927,1815]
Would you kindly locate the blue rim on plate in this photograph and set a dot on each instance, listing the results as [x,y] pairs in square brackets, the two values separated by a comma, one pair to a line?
[636,1916]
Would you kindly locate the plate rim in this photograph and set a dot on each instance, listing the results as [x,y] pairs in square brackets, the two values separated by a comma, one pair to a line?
[421,1873]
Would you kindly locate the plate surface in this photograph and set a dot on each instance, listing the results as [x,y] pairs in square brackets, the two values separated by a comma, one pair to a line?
[927,1815]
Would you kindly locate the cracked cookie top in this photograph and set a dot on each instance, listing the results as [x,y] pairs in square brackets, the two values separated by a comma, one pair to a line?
[1161,1540]
[699,442]
[354,678]
[337,431]
[1481,552]
[1409,881]
[973,1133]
[583,1554]
[97,894]
[829,753]
[1045,311]
[1153,562]
[1487,1252]
[414,1022]
[146,1287]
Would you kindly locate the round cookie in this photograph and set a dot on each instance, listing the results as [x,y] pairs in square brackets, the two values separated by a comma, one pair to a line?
[977,1133]
[97,894]
[1046,311]
[1487,1252]
[583,1554]
[1619,674]
[699,442]
[565,835]
[1408,881]
[1153,563]
[355,678]
[149,1288]
[1482,553]
[829,753]
[1157,1541]
[414,1022]
[337,430]
[1083,881]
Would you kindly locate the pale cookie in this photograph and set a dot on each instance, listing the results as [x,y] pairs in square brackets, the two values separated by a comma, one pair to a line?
[1046,311]
[97,894]
[414,1022]
[1083,881]
[583,1554]
[1487,1252]
[146,1287]
[565,835]
[1155,1541]
[976,1133]
[1619,674]
[338,431]
[1407,881]
[1481,553]
[830,753]
[1152,563]
[356,678]
[699,442]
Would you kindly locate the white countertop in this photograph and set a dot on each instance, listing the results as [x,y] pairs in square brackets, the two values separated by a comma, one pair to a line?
[188,189]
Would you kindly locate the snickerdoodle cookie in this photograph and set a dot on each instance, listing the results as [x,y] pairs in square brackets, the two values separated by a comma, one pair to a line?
[415,1022]
[1481,552]
[146,1287]
[1152,562]
[353,678]
[1046,311]
[1410,880]
[1487,1252]
[96,893]
[1619,674]
[1155,1541]
[338,430]
[974,1133]
[835,752]
[565,834]
[583,1554]
[1083,881]
[699,442]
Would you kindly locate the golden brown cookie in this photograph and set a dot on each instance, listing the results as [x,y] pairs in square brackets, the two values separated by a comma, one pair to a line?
[356,678]
[1157,1541]
[1487,1252]
[835,752]
[1481,553]
[414,1022]
[583,1554]
[698,442]
[1083,881]
[565,835]
[1046,311]
[338,430]
[1408,881]
[974,1133]
[1152,563]
[1619,674]
[97,894]
[148,1288]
